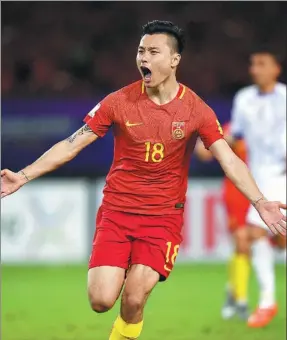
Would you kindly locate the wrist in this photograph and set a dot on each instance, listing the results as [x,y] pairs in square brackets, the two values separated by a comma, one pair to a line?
[24,178]
[258,201]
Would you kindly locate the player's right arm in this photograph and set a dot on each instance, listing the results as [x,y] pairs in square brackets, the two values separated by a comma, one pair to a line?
[97,123]
[54,158]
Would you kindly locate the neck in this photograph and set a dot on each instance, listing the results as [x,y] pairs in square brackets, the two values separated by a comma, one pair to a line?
[268,88]
[165,92]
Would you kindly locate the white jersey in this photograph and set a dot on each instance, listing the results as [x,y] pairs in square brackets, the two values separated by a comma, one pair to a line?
[261,120]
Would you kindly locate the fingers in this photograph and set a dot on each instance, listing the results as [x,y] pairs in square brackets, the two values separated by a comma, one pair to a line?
[283,206]
[278,228]
[3,172]
[281,227]
[273,229]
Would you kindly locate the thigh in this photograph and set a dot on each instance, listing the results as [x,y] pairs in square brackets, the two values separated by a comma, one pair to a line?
[236,206]
[140,281]
[105,283]
[275,189]
[254,220]
[111,246]
[157,243]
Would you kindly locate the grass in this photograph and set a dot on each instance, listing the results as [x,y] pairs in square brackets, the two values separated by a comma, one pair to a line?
[50,303]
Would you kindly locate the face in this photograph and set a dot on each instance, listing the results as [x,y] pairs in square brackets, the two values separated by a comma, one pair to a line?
[156,59]
[263,69]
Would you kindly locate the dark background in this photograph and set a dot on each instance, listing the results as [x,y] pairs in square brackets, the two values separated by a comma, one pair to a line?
[60,58]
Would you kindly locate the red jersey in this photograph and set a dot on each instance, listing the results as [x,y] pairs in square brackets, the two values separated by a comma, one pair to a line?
[152,149]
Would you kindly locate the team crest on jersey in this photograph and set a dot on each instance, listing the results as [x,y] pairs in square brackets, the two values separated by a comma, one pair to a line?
[93,111]
[178,130]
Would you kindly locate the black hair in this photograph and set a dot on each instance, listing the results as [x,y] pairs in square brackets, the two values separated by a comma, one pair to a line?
[166,27]
[267,49]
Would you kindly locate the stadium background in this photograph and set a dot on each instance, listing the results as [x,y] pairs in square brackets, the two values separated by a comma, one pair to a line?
[58,60]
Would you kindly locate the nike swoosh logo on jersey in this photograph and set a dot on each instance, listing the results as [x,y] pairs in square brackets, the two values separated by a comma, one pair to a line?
[128,124]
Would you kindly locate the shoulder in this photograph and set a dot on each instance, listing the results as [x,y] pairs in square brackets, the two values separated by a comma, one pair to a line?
[129,92]
[191,98]
[122,96]
[196,103]
[245,94]
[189,95]
[281,89]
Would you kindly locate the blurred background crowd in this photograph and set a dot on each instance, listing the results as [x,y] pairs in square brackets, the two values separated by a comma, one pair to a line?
[87,49]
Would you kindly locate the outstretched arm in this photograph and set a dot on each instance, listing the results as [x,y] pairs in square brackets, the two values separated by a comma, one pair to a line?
[57,156]
[205,155]
[237,171]
[60,153]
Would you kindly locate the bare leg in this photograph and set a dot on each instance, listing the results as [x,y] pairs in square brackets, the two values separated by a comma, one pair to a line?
[104,286]
[242,241]
[140,282]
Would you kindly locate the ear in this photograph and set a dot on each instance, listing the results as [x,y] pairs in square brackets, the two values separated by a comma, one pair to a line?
[175,60]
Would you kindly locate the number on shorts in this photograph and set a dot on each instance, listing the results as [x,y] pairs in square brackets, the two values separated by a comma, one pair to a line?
[170,258]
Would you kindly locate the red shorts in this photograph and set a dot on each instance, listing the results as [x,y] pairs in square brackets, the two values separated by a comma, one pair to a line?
[123,239]
[236,205]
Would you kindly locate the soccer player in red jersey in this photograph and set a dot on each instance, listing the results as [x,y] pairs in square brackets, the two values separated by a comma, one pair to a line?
[155,122]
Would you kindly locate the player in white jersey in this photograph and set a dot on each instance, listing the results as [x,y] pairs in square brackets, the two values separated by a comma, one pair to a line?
[259,116]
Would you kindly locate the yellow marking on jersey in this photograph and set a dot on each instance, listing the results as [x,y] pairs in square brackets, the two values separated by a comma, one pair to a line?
[183,92]
[219,127]
[143,87]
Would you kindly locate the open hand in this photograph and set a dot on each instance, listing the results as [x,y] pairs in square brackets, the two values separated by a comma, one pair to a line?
[272,216]
[10,182]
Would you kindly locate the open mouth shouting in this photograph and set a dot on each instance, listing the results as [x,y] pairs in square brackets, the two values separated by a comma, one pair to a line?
[146,73]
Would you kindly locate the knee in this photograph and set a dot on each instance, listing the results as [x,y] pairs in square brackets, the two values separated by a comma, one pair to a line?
[243,247]
[243,244]
[101,304]
[133,301]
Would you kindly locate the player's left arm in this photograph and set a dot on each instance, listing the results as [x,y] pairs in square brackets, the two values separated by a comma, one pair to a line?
[201,152]
[237,171]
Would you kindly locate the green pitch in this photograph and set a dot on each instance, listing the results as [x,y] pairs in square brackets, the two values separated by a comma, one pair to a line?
[51,304]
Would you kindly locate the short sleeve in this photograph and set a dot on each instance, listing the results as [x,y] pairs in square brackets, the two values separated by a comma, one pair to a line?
[101,117]
[209,128]
[236,124]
